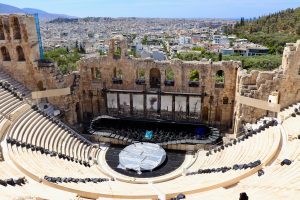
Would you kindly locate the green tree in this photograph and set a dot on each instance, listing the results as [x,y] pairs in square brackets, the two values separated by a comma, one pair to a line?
[65,60]
[298,29]
[101,52]
[265,62]
[194,75]
[145,40]
[141,74]
[202,49]
[273,31]
[169,74]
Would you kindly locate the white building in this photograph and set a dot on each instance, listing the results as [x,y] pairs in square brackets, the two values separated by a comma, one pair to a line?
[221,40]
[185,40]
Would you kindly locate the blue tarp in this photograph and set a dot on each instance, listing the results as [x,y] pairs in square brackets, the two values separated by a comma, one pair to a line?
[149,135]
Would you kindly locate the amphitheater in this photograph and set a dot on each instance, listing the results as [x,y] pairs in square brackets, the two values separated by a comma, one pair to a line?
[42,156]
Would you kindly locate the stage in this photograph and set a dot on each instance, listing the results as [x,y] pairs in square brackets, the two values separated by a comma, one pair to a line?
[173,160]
[141,157]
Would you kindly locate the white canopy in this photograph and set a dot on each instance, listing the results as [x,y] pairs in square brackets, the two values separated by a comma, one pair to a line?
[141,157]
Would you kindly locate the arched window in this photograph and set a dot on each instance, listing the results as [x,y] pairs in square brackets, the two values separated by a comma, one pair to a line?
[20,53]
[117,50]
[141,74]
[299,70]
[117,76]
[115,73]
[194,78]
[5,54]
[96,74]
[2,36]
[169,76]
[155,78]
[40,86]
[225,100]
[194,75]
[220,79]
[16,28]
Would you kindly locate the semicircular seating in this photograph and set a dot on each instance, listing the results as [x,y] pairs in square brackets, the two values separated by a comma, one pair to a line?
[60,163]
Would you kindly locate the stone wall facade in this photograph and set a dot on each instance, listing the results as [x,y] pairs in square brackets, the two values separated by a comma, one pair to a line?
[260,84]
[218,101]
[20,57]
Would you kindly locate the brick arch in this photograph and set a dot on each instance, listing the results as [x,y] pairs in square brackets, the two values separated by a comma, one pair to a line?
[155,78]
[40,86]
[2,35]
[5,54]
[117,73]
[16,28]
[141,73]
[194,75]
[169,74]
[220,79]
[20,53]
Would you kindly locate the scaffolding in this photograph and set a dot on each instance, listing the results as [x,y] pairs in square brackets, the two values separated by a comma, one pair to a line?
[37,25]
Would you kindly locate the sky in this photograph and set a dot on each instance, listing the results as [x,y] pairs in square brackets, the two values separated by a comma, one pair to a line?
[159,8]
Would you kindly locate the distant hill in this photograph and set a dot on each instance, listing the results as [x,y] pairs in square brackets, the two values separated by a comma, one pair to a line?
[7,9]
[274,30]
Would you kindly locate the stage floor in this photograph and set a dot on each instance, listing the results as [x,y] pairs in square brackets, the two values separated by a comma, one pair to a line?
[173,161]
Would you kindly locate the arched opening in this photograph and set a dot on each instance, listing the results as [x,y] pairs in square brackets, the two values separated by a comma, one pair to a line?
[117,76]
[78,112]
[96,74]
[205,114]
[2,36]
[5,54]
[225,100]
[115,73]
[16,28]
[194,78]
[140,76]
[220,79]
[218,115]
[117,50]
[20,54]
[40,86]
[155,78]
[169,76]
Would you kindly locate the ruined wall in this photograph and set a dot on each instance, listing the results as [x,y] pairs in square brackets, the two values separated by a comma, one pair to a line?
[19,57]
[260,84]
[91,97]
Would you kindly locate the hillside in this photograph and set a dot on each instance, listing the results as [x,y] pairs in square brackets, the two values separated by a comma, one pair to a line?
[274,30]
[7,9]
